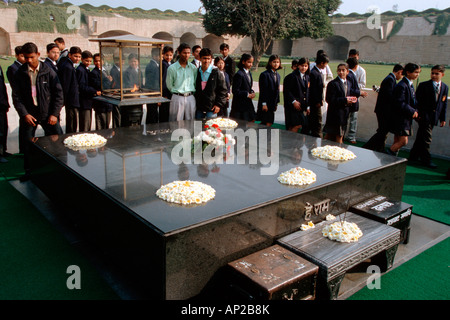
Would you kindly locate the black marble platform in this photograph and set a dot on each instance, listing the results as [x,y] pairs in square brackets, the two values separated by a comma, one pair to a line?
[334,258]
[172,251]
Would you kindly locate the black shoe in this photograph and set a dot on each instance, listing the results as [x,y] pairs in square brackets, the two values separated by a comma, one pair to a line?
[430,165]
[390,152]
[25,177]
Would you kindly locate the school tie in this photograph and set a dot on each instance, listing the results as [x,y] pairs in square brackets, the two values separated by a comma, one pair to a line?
[413,93]
[345,87]
[436,90]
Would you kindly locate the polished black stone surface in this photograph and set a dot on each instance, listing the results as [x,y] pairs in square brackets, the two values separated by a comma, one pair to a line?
[136,161]
[174,249]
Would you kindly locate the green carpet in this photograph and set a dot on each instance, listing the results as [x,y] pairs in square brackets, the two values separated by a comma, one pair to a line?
[35,257]
[424,277]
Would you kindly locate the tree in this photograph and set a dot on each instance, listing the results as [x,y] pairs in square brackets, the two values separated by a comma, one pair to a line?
[266,20]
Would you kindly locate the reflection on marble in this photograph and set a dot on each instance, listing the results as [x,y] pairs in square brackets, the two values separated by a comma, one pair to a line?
[250,210]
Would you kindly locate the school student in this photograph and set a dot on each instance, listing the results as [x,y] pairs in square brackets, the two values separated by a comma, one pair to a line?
[210,89]
[340,100]
[163,112]
[360,75]
[357,92]
[196,53]
[64,53]
[404,108]
[383,108]
[242,87]
[67,76]
[181,77]
[40,100]
[97,78]
[219,62]
[152,82]
[269,91]
[86,91]
[52,56]
[10,73]
[4,107]
[230,64]
[432,106]
[316,98]
[115,84]
[131,76]
[296,94]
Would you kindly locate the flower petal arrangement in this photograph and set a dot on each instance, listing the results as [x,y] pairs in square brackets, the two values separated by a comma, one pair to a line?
[84,141]
[222,123]
[186,192]
[297,177]
[214,136]
[333,153]
[342,231]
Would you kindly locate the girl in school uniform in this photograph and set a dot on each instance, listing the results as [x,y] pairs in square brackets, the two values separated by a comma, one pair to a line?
[269,91]
[296,95]
[219,62]
[242,105]
[339,99]
[404,108]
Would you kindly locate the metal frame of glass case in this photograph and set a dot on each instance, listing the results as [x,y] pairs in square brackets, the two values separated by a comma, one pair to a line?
[133,88]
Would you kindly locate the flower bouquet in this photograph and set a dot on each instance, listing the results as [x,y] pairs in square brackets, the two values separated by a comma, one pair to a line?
[212,136]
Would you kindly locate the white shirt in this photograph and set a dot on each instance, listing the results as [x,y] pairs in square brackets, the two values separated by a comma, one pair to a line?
[360,74]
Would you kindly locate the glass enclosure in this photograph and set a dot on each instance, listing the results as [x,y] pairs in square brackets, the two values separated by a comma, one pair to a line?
[131,67]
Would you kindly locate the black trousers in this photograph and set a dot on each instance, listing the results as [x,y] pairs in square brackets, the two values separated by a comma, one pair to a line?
[3,131]
[421,147]
[314,127]
[378,141]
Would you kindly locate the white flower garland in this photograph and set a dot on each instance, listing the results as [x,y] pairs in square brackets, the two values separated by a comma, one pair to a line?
[84,141]
[342,231]
[186,192]
[223,123]
[297,177]
[214,136]
[333,153]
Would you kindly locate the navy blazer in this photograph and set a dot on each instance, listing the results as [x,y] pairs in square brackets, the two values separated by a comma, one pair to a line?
[95,81]
[11,74]
[230,67]
[336,97]
[316,87]
[241,87]
[404,106]
[49,62]
[115,74]
[4,104]
[353,90]
[295,89]
[165,92]
[67,77]
[86,91]
[269,90]
[385,95]
[430,110]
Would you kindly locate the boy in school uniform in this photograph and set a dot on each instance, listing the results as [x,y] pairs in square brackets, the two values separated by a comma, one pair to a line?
[432,107]
[314,127]
[64,53]
[163,114]
[152,82]
[383,108]
[340,99]
[86,91]
[210,88]
[230,64]
[52,56]
[360,75]
[4,107]
[296,94]
[196,53]
[103,110]
[69,82]
[39,100]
